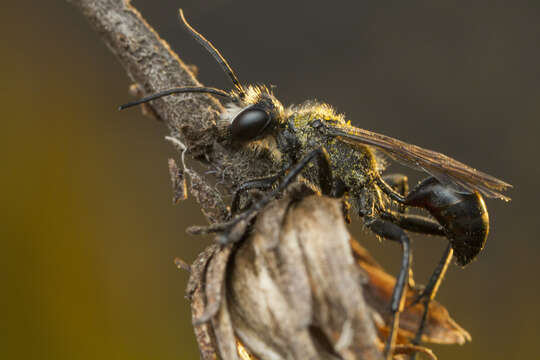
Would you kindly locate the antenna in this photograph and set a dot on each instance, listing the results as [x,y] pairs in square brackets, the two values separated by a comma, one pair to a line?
[215,53]
[176,91]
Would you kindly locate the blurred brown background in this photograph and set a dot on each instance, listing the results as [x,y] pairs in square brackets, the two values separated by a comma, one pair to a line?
[88,230]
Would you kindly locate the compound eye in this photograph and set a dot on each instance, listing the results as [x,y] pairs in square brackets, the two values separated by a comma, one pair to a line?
[249,124]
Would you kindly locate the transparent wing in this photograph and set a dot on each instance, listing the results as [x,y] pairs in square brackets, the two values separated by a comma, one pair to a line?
[447,170]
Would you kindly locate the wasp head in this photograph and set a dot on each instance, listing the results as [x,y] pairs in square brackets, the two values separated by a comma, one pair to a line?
[253,114]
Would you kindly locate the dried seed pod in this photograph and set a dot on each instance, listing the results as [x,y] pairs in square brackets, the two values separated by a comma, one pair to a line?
[440,327]
[296,287]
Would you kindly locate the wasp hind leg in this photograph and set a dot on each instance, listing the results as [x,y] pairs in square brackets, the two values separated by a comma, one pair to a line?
[396,186]
[415,223]
[391,231]
[429,292]
[423,225]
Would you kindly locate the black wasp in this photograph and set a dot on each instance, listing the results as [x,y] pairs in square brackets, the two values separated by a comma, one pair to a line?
[313,141]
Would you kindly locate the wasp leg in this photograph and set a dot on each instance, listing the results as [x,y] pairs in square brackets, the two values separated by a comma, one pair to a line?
[235,228]
[416,223]
[399,183]
[260,183]
[325,181]
[424,225]
[393,232]
[430,291]
[389,190]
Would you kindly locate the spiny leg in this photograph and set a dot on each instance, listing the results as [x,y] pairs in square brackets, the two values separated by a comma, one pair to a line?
[391,231]
[230,231]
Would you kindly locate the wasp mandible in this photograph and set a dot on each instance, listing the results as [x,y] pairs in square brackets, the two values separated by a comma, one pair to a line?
[313,141]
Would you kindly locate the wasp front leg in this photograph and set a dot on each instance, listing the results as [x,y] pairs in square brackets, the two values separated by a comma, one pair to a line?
[260,184]
[325,180]
[233,230]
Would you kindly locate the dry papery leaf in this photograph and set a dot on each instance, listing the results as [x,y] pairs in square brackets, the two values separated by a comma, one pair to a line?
[297,286]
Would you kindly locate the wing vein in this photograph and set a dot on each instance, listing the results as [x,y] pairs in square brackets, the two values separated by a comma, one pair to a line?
[446,169]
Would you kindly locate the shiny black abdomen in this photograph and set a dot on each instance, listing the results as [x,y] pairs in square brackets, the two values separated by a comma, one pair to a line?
[463,216]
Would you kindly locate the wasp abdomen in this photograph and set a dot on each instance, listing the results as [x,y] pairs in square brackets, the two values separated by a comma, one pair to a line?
[463,216]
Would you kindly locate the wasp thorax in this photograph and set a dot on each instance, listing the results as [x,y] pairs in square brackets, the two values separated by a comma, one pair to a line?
[249,124]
